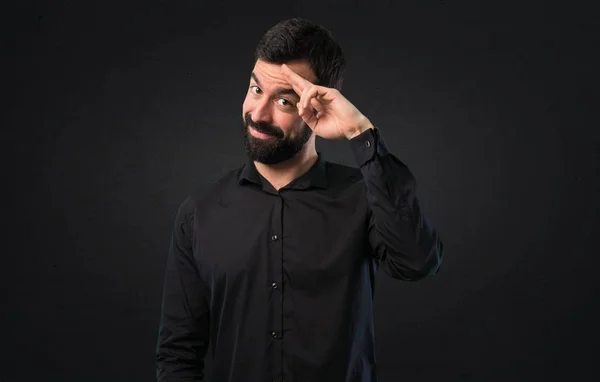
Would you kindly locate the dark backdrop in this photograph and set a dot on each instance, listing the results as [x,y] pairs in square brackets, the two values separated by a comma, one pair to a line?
[116,111]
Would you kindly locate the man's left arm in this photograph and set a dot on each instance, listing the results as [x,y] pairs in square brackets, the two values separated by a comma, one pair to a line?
[400,236]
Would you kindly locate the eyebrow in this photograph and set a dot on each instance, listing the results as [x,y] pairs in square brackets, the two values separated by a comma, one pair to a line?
[279,90]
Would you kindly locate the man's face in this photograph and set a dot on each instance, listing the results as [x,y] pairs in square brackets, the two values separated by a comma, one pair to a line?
[273,130]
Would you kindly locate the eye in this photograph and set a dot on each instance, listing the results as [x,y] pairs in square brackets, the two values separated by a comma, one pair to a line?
[255,89]
[284,102]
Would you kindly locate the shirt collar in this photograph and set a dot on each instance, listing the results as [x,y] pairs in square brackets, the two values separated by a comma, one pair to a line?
[315,177]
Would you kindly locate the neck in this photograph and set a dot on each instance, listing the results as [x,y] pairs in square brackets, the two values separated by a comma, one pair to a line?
[281,174]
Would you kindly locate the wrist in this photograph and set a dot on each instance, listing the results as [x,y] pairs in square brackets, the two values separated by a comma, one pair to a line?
[363,125]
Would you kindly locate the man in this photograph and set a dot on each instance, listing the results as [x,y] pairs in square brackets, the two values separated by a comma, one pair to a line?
[273,266]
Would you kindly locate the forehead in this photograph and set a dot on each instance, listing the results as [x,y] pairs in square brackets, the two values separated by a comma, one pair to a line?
[271,75]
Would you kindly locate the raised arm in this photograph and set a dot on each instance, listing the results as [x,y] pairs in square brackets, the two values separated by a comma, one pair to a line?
[399,234]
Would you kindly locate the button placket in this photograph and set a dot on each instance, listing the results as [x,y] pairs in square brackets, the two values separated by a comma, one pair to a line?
[275,287]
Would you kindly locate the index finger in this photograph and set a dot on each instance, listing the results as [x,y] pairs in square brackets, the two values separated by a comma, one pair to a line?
[297,81]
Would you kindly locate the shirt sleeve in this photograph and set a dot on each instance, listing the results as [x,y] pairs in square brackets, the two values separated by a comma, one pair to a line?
[408,247]
[183,334]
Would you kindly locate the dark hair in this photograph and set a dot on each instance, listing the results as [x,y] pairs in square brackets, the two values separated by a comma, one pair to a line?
[298,39]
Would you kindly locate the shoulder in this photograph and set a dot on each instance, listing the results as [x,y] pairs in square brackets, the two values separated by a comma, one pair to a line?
[342,175]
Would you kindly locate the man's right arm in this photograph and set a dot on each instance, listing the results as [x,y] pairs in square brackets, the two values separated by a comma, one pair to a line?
[183,334]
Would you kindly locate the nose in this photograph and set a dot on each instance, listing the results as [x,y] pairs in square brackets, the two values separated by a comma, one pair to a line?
[261,112]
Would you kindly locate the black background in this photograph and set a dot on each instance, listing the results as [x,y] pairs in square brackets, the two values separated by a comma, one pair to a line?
[117,110]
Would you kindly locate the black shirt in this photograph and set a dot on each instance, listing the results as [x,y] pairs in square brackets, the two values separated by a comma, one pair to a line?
[280,283]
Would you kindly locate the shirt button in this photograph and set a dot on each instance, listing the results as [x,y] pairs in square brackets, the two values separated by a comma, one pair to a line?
[274,285]
[276,335]
[274,237]
[368,143]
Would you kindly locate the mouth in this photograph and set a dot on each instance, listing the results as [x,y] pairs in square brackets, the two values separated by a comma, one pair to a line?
[258,134]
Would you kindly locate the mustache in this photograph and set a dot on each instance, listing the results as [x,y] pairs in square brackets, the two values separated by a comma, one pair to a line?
[262,127]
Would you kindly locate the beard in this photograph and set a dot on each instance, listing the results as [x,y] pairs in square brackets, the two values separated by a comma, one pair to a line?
[275,149]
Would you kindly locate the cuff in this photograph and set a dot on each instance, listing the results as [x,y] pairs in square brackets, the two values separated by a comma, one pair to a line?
[368,144]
